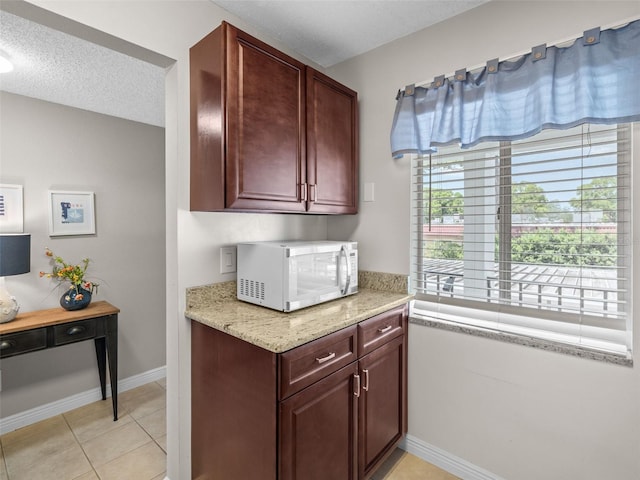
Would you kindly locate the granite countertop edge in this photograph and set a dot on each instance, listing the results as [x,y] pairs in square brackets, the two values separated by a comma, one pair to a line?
[217,307]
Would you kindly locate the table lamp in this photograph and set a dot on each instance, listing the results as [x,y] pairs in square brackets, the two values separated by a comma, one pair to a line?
[15,259]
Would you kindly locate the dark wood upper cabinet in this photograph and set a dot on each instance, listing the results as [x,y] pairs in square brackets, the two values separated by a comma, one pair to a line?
[268,133]
[332,145]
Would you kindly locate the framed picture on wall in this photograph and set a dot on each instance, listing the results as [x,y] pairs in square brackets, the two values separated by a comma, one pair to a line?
[11,209]
[71,213]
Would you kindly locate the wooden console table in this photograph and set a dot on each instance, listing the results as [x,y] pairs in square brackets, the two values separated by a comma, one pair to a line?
[54,327]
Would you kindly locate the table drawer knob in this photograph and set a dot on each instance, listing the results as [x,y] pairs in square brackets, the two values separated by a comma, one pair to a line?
[7,344]
[75,330]
[326,358]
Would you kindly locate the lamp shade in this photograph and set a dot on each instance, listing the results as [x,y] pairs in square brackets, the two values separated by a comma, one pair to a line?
[15,254]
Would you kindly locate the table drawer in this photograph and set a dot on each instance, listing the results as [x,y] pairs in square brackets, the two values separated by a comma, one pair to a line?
[74,332]
[380,329]
[313,361]
[23,342]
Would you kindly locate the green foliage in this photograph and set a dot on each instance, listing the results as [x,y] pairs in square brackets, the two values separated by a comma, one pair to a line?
[543,246]
[599,194]
[444,203]
[564,247]
[443,249]
[529,199]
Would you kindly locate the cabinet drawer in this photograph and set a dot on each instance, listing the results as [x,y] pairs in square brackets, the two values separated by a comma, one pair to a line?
[23,342]
[313,361]
[74,332]
[380,329]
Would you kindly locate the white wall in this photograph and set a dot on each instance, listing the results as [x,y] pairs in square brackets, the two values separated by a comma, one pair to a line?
[47,146]
[518,412]
[193,239]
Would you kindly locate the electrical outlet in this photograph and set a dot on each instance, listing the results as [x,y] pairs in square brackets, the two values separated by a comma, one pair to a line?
[227,259]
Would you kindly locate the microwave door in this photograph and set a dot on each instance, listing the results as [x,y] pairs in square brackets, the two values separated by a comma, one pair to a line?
[314,277]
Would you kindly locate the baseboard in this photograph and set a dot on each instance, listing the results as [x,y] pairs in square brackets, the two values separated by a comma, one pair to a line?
[22,419]
[445,460]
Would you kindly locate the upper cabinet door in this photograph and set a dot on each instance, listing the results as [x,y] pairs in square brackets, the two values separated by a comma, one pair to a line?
[332,145]
[265,126]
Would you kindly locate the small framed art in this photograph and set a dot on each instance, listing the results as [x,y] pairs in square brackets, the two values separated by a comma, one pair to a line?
[11,209]
[71,213]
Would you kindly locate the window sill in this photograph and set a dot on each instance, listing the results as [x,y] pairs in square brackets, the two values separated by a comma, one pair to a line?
[614,358]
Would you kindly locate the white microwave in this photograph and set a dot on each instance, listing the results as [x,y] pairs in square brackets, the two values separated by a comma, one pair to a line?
[287,276]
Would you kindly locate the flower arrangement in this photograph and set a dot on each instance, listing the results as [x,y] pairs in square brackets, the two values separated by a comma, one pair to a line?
[62,271]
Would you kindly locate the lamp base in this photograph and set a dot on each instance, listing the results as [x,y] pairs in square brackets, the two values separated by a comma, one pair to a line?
[8,306]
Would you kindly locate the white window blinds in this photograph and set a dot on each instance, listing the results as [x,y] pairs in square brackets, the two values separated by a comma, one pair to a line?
[529,237]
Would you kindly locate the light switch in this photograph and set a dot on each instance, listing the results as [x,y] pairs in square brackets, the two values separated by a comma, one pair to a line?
[369,192]
[227,259]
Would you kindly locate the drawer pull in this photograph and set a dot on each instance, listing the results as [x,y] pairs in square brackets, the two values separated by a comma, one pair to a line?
[356,386]
[7,344]
[75,330]
[365,385]
[326,358]
[385,329]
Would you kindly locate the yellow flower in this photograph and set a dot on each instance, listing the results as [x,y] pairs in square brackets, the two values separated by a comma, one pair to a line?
[74,274]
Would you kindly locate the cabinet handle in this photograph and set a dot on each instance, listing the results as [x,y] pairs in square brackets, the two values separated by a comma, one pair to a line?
[75,330]
[303,191]
[356,387]
[365,385]
[385,329]
[7,344]
[315,192]
[326,358]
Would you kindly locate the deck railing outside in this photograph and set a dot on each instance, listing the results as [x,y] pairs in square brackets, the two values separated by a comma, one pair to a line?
[546,287]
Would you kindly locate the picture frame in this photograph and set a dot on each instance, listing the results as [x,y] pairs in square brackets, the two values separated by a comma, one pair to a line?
[11,208]
[71,213]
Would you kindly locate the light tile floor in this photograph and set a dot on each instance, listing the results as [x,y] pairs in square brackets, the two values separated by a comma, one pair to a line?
[86,444]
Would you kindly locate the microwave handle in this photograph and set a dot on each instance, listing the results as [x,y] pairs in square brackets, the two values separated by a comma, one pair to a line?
[343,251]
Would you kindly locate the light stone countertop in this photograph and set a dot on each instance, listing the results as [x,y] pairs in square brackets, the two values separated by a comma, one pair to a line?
[217,306]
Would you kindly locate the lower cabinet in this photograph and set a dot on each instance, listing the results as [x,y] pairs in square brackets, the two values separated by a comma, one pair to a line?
[382,404]
[318,430]
[334,408]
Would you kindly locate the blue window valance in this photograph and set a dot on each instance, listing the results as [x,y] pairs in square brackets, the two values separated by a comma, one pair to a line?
[595,80]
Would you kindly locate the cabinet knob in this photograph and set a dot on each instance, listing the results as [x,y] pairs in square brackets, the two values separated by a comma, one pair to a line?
[7,344]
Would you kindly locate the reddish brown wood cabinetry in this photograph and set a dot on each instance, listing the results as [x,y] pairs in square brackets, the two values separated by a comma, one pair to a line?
[326,409]
[332,145]
[268,133]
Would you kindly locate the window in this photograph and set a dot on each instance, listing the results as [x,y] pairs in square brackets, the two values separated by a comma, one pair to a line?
[529,237]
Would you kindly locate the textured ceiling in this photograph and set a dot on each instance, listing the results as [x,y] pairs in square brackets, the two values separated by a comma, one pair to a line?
[330,31]
[65,69]
[61,68]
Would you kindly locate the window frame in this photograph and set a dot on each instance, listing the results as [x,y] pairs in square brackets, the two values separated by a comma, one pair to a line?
[592,332]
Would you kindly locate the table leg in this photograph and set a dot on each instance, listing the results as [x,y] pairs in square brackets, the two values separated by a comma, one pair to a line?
[112,350]
[101,354]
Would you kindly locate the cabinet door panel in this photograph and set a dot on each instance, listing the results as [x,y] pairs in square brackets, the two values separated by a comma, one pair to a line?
[265,126]
[381,408]
[332,145]
[318,430]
